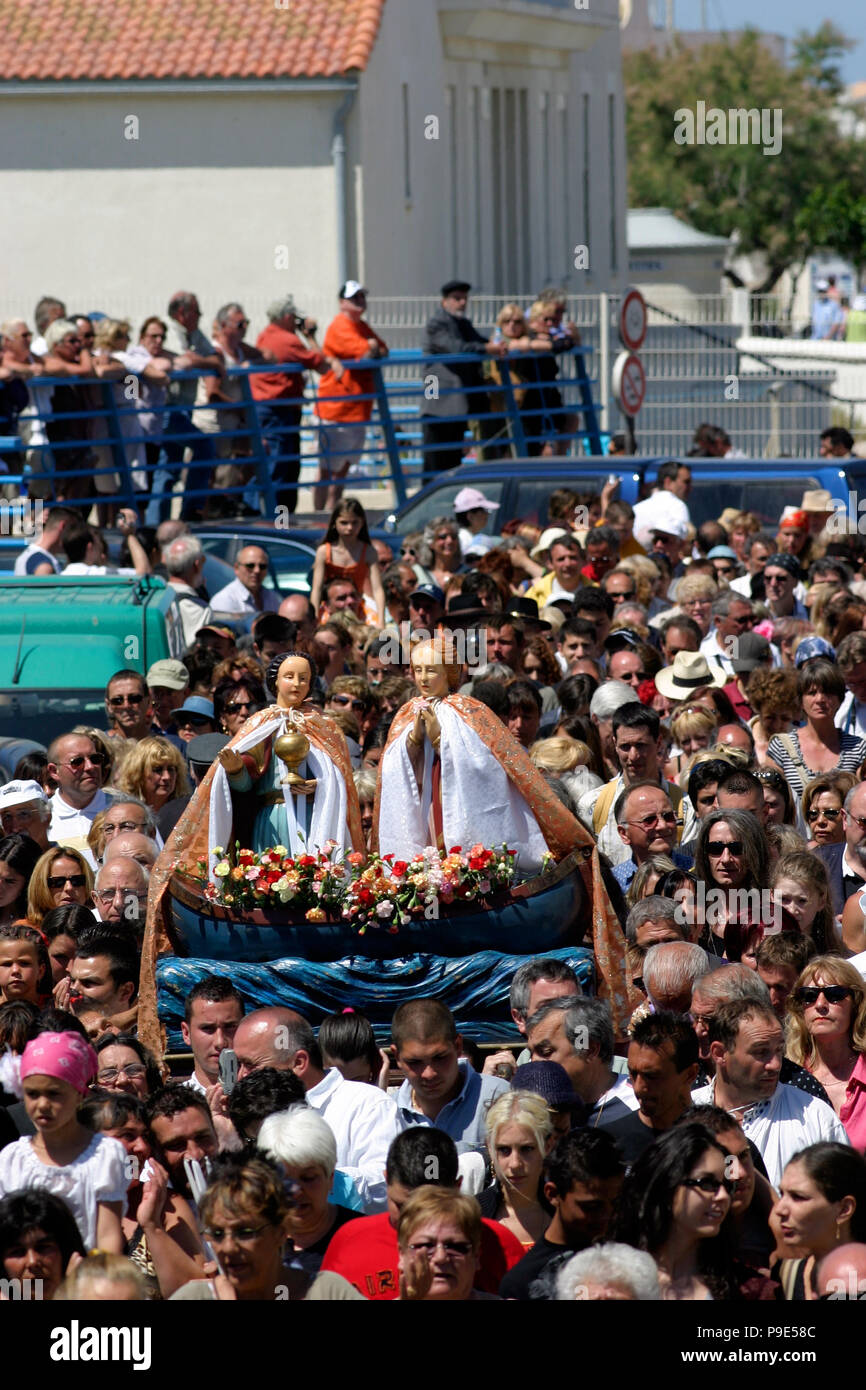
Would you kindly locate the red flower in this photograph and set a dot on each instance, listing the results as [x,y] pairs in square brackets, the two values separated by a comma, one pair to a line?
[456,849]
[365,896]
[646,692]
[477,863]
[400,866]
[306,860]
[356,858]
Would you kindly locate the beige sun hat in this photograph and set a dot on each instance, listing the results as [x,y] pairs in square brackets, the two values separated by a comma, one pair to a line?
[689,671]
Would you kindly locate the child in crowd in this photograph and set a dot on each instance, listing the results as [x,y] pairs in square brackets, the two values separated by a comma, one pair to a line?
[346,553]
[86,1170]
[25,970]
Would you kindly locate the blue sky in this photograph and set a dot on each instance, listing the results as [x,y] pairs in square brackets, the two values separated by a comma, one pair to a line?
[786,17]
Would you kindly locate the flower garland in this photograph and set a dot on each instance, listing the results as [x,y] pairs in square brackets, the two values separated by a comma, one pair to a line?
[366,891]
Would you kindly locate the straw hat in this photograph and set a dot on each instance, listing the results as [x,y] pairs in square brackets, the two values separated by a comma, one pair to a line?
[689,671]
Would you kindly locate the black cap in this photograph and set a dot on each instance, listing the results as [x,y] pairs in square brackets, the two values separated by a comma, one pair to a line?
[527,609]
[455,287]
[466,607]
[203,750]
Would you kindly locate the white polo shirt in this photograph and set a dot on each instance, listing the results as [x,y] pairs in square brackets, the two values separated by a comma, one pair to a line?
[70,825]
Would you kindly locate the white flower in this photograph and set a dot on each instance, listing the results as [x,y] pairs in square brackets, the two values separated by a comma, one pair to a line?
[384,909]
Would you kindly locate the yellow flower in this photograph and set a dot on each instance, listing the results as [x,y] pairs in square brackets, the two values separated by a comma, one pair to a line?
[317,914]
[237,874]
[223,868]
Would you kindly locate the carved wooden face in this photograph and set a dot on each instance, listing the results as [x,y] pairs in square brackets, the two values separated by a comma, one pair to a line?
[432,673]
[293,682]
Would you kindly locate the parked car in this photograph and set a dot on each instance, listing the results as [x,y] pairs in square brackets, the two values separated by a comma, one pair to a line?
[291,557]
[522,489]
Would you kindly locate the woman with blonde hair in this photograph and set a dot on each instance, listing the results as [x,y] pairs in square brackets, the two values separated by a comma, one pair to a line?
[519,1132]
[154,771]
[800,885]
[567,759]
[827,1035]
[741,528]
[694,596]
[647,878]
[439,1240]
[693,729]
[645,576]
[62,876]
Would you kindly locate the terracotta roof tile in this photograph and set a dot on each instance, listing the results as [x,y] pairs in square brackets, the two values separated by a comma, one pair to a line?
[48,40]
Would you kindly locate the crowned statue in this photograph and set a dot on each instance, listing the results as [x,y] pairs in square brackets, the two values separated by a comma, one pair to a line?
[452,774]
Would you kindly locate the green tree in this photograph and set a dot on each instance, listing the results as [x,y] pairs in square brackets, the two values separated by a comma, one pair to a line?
[737,188]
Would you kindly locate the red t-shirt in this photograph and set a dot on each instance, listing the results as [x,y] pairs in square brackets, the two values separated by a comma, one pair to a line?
[365,1253]
[283,347]
[347,340]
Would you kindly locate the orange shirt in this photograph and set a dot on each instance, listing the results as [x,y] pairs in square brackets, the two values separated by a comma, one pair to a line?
[348,340]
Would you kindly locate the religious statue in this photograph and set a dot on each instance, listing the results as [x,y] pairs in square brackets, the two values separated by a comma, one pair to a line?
[452,774]
[293,764]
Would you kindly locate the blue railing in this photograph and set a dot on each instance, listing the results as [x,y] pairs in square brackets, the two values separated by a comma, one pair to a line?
[145,434]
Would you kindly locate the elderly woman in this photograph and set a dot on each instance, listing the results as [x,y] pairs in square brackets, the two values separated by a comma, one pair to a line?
[62,876]
[695,594]
[818,746]
[608,1273]
[154,771]
[519,1131]
[439,1238]
[827,1036]
[822,803]
[304,1146]
[125,1064]
[773,696]
[731,858]
[245,1213]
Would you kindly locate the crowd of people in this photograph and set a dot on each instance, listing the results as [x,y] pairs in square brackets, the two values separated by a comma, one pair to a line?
[696,697]
[182,412]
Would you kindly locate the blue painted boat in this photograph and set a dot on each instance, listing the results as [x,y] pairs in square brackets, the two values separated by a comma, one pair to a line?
[465,957]
[541,914]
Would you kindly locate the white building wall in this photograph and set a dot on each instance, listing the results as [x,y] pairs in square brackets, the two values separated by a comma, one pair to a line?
[202,200]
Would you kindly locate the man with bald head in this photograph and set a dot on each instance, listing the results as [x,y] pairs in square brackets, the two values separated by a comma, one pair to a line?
[132,844]
[75,766]
[120,893]
[364,1119]
[298,609]
[247,592]
[841,1275]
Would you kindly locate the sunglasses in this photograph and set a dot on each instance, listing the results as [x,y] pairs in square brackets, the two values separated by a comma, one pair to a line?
[773,779]
[196,720]
[834,994]
[244,1235]
[406,551]
[716,848]
[60,881]
[709,1185]
[239,705]
[818,811]
[459,1249]
[776,578]
[347,700]
[252,566]
[116,700]
[667,817]
[95,759]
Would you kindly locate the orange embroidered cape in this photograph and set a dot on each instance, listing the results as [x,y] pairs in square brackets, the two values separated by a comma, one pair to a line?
[563,833]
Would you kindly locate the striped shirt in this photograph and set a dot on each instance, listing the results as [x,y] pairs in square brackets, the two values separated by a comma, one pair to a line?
[852,753]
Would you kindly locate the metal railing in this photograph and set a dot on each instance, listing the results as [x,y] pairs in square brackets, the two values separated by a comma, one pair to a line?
[127,433]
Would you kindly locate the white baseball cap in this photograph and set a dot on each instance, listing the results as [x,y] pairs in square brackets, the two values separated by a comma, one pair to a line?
[468,498]
[350,289]
[19,793]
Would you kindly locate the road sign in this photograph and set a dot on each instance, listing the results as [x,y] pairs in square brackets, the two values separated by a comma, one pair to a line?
[632,320]
[629,383]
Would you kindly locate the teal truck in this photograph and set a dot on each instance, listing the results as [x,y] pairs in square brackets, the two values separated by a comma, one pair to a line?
[62,638]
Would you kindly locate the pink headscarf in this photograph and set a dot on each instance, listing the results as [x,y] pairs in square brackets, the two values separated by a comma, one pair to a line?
[65,1056]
